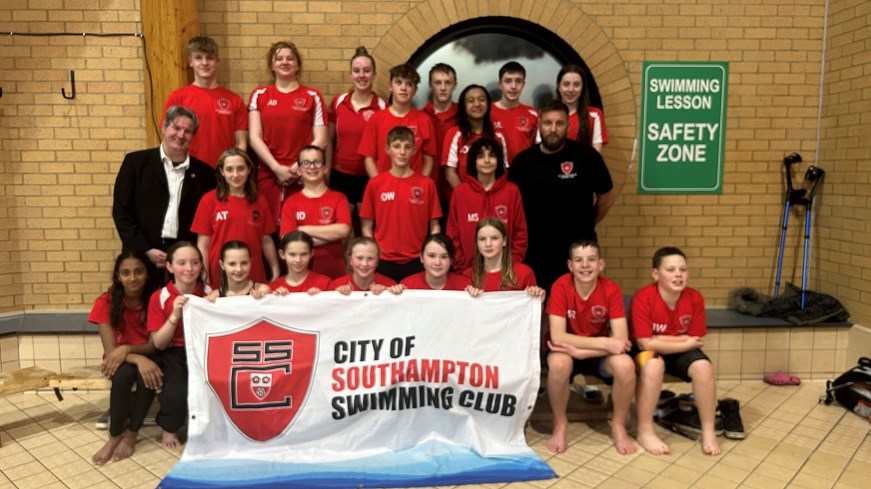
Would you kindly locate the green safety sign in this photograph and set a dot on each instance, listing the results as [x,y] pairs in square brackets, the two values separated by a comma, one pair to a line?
[683,120]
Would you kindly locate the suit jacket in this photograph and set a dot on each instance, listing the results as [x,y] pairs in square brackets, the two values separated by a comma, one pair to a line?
[142,196]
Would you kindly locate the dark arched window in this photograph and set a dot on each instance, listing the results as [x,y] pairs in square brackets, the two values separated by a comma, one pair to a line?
[477,48]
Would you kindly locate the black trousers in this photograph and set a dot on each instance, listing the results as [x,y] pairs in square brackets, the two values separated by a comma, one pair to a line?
[174,396]
[125,405]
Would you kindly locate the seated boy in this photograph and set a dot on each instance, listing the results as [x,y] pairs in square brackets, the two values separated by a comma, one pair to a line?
[400,208]
[668,318]
[589,335]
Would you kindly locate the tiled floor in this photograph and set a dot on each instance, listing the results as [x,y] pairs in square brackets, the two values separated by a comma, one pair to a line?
[792,441]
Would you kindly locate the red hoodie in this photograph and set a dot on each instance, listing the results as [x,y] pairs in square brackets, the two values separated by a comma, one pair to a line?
[471,203]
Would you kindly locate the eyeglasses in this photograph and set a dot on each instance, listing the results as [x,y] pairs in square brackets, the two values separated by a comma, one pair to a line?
[311,163]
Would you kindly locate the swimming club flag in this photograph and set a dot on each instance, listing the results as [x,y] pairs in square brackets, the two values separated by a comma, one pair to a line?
[425,388]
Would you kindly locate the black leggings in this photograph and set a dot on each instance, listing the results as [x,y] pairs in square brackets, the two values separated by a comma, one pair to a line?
[174,396]
[123,404]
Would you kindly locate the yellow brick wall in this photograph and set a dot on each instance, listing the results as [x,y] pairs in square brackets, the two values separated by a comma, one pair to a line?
[59,156]
[844,214]
[64,235]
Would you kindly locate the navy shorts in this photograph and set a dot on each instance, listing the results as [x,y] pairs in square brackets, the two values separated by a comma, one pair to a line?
[592,366]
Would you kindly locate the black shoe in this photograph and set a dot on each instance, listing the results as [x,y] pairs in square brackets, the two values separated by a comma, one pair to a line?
[689,421]
[733,428]
[666,404]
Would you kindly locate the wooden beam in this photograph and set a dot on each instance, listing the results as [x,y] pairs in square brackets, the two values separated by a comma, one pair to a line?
[167,26]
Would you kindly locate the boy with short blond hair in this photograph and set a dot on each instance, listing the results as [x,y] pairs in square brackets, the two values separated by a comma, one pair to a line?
[403,85]
[588,335]
[222,113]
[400,208]
[668,324]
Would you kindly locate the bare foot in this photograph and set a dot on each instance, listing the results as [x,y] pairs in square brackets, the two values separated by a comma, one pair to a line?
[710,445]
[652,443]
[557,441]
[126,447]
[622,441]
[170,440]
[104,454]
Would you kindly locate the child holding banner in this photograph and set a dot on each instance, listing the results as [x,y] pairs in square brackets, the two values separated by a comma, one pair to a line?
[493,268]
[588,335]
[362,258]
[120,315]
[437,257]
[184,263]
[235,266]
[296,251]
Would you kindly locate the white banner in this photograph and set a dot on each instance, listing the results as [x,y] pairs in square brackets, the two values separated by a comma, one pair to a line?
[421,389]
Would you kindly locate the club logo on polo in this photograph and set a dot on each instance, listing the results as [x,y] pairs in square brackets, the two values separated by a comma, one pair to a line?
[566,167]
[262,374]
[326,215]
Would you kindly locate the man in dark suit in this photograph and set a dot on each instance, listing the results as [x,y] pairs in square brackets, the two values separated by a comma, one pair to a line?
[157,190]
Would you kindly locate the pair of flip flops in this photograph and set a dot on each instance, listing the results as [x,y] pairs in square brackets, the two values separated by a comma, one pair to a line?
[781,378]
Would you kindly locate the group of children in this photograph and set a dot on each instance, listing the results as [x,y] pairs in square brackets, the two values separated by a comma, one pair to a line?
[588,328]
[399,244]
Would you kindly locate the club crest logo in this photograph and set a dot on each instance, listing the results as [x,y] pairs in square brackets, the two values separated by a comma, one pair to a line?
[416,195]
[326,215]
[464,149]
[261,384]
[299,102]
[599,312]
[685,321]
[223,106]
[367,114]
[502,212]
[261,369]
[567,167]
[524,122]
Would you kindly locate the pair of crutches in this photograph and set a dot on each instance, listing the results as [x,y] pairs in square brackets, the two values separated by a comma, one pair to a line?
[804,196]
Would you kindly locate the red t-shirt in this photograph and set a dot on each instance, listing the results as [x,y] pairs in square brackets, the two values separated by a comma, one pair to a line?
[373,144]
[402,209]
[133,331]
[350,125]
[519,126]
[287,120]
[330,208]
[455,152]
[650,314]
[598,131]
[586,317]
[493,280]
[313,279]
[442,121]
[349,279]
[160,308]
[221,113]
[238,219]
[418,282]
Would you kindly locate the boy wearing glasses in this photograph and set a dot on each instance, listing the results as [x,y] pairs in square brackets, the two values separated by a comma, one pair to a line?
[400,208]
[321,212]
